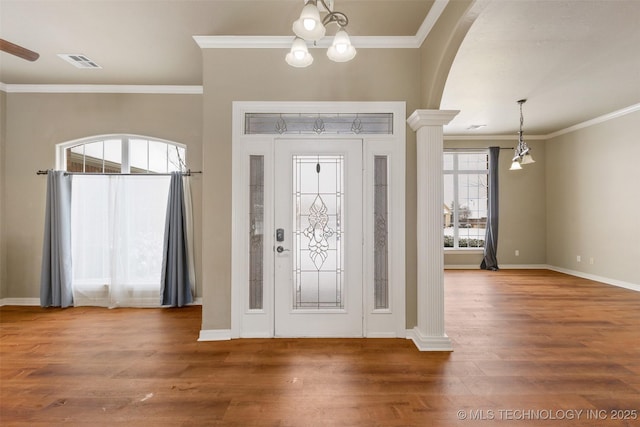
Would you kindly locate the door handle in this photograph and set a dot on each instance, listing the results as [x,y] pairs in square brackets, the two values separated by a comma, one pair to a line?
[280,249]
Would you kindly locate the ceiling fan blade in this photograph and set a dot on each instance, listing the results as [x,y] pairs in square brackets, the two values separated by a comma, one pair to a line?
[18,51]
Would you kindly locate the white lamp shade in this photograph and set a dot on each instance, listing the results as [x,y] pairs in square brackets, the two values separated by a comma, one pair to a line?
[299,55]
[527,159]
[309,25]
[515,166]
[341,50]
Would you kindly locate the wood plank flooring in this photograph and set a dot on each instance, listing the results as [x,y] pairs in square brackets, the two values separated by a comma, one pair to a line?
[527,344]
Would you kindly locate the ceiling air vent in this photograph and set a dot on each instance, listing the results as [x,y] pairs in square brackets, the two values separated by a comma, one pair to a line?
[78,60]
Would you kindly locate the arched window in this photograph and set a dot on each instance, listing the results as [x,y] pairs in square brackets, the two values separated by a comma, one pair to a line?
[118,216]
[121,154]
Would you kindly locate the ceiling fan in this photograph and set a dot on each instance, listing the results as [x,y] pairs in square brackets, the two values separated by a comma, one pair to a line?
[18,51]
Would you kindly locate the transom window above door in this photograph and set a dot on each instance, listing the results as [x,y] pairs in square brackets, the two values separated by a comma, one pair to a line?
[122,154]
[318,123]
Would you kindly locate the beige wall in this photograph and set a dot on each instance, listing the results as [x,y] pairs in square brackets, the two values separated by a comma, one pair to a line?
[37,122]
[439,49]
[3,127]
[263,75]
[522,199]
[593,202]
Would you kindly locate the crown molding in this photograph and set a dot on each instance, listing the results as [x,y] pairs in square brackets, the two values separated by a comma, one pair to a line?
[362,42]
[430,20]
[243,42]
[601,119]
[284,42]
[492,137]
[142,89]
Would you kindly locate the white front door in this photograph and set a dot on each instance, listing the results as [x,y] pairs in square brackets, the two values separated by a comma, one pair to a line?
[319,238]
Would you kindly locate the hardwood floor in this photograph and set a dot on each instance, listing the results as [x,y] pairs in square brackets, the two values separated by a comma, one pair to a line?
[527,344]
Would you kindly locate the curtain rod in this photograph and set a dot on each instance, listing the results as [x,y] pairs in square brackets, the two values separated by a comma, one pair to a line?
[188,172]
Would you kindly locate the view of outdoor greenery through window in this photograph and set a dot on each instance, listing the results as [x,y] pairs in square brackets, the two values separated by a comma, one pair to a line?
[465,198]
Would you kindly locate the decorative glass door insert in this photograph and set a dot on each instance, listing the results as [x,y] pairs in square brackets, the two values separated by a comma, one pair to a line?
[318,237]
[318,191]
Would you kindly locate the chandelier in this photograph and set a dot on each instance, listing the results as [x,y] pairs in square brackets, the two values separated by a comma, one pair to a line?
[311,28]
[522,155]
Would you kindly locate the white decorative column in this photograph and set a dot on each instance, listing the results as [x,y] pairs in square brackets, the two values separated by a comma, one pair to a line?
[429,335]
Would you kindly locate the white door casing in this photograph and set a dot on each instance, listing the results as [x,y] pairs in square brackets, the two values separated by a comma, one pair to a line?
[264,321]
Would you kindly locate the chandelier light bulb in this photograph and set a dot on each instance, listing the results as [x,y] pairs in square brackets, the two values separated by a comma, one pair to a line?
[309,26]
[299,55]
[515,166]
[341,50]
[527,159]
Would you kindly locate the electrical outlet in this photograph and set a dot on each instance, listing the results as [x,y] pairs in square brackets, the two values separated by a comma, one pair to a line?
[517,252]
[591,260]
[579,258]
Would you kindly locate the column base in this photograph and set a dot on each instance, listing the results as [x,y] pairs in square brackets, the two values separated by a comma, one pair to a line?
[429,343]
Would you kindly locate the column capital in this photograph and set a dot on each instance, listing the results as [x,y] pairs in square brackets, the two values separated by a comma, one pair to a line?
[421,118]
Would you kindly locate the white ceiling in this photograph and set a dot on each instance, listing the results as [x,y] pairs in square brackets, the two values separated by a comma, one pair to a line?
[573,60]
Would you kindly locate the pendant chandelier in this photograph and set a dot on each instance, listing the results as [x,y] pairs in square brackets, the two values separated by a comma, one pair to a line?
[522,155]
[311,28]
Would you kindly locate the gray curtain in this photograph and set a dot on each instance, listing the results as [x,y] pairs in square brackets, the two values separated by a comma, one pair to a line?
[56,274]
[175,285]
[490,260]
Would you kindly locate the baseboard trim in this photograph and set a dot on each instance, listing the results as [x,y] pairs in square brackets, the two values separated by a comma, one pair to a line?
[20,301]
[36,301]
[606,280]
[382,335]
[501,266]
[429,343]
[255,335]
[602,279]
[215,335]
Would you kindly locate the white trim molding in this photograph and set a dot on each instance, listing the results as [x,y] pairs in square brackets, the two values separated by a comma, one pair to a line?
[429,343]
[595,278]
[284,42]
[36,301]
[20,301]
[502,267]
[247,322]
[601,279]
[491,137]
[71,88]
[600,119]
[430,20]
[215,335]
[361,42]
